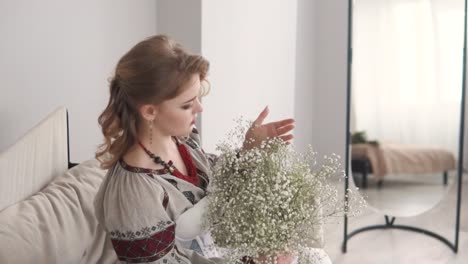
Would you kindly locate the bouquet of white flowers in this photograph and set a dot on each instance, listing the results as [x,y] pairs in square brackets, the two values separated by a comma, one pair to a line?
[270,200]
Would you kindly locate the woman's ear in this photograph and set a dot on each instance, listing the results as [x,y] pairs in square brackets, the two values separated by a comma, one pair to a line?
[148,112]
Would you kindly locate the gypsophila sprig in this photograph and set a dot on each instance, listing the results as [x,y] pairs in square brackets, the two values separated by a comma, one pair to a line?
[271,200]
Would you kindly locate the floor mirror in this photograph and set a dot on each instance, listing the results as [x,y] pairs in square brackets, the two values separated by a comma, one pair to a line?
[405,108]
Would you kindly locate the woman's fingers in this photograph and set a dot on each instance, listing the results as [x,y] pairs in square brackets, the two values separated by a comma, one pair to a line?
[283,123]
[287,138]
[284,130]
[261,117]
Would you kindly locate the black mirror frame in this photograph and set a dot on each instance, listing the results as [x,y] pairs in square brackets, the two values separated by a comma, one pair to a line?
[389,221]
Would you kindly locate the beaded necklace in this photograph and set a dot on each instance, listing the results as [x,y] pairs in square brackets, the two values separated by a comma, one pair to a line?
[157,159]
[191,169]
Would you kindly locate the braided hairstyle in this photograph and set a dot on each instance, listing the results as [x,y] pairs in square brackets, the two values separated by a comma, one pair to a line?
[153,71]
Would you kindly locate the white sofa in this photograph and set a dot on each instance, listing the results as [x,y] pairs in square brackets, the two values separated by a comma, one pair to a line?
[46,210]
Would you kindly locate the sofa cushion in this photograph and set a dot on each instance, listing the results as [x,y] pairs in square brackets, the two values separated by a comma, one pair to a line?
[57,224]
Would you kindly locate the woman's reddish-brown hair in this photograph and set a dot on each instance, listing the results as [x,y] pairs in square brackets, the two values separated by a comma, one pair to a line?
[153,71]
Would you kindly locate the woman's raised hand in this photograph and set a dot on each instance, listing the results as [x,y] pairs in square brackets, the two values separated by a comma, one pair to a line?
[260,132]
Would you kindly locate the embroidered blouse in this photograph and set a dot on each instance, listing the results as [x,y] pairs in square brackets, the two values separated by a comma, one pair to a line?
[141,210]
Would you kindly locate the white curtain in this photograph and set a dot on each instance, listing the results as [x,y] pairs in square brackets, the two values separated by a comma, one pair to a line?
[407,70]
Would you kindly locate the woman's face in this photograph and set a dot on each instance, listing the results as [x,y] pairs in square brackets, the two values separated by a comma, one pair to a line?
[176,116]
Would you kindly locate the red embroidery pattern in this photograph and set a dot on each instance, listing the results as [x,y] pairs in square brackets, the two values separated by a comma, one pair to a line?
[146,249]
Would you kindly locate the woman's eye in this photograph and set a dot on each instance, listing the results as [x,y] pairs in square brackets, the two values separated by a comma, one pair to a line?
[186,107]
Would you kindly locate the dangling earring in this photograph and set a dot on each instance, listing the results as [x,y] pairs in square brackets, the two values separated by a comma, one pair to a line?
[151,132]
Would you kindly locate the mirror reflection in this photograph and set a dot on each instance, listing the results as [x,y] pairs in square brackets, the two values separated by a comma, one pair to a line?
[406,90]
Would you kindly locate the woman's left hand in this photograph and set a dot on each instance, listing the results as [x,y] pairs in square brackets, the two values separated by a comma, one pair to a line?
[260,132]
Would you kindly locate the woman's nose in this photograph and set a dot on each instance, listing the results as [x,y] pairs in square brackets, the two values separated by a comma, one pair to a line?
[199,107]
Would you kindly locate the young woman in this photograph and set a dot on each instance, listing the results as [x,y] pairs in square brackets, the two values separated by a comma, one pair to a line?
[157,171]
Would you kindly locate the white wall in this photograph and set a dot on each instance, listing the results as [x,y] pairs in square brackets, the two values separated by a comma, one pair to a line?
[181,19]
[305,74]
[319,70]
[251,46]
[57,52]
[329,98]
